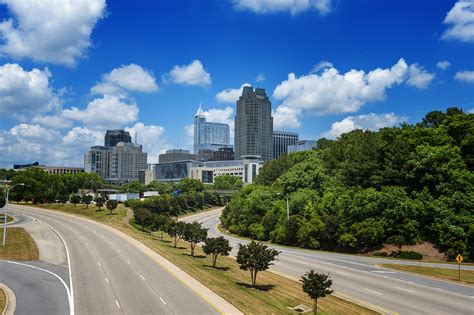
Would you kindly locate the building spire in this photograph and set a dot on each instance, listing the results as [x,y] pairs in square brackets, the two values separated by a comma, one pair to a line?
[200,112]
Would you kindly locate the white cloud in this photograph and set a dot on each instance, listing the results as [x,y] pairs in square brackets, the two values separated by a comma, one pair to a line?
[152,139]
[292,6]
[461,22]
[51,121]
[419,77]
[466,76]
[332,92]
[132,77]
[25,92]
[470,111]
[286,117]
[260,78]
[321,66]
[230,95]
[366,122]
[34,132]
[49,31]
[105,112]
[443,64]
[191,74]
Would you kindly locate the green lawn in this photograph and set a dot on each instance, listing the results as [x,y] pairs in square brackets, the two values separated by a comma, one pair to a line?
[467,276]
[19,246]
[3,301]
[274,294]
[2,218]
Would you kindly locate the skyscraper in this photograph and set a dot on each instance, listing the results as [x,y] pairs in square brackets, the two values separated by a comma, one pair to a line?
[209,135]
[281,141]
[254,125]
[113,137]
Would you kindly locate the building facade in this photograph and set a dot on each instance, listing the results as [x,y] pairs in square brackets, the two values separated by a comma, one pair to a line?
[97,160]
[63,170]
[113,137]
[209,135]
[176,155]
[281,141]
[302,145]
[223,154]
[247,169]
[254,125]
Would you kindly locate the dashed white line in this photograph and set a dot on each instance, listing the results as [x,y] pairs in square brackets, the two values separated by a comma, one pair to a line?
[118,252]
[107,279]
[404,289]
[128,261]
[141,276]
[118,305]
[372,291]
[92,251]
[162,301]
[343,273]
[99,263]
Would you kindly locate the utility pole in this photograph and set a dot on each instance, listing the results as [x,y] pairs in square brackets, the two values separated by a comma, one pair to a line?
[5,213]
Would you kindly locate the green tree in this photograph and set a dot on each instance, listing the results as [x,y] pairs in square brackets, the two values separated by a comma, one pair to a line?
[2,198]
[75,199]
[190,185]
[316,285]
[99,201]
[228,182]
[216,246]
[194,233]
[160,223]
[255,257]
[176,230]
[142,216]
[86,199]
[111,205]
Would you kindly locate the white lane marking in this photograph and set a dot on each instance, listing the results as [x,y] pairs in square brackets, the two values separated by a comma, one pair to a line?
[107,279]
[99,263]
[92,251]
[403,289]
[128,261]
[343,273]
[372,291]
[162,301]
[118,305]
[118,251]
[439,289]
[382,271]
[142,277]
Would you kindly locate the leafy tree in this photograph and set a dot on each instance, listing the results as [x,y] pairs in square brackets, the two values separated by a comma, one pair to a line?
[255,257]
[316,285]
[190,185]
[111,205]
[86,199]
[176,230]
[99,201]
[228,182]
[142,216]
[160,223]
[216,246]
[75,199]
[63,198]
[194,233]
[2,198]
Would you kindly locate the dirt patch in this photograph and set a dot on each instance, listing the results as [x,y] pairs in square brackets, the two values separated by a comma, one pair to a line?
[428,250]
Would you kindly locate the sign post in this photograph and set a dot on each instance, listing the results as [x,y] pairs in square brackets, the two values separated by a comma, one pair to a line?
[459,259]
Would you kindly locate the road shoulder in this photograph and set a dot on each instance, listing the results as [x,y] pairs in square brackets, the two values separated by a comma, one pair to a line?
[10,304]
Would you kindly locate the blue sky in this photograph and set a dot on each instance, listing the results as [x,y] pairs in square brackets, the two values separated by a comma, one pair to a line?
[70,70]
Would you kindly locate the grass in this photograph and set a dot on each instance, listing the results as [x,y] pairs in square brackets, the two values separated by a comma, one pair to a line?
[3,301]
[467,276]
[2,219]
[274,293]
[19,246]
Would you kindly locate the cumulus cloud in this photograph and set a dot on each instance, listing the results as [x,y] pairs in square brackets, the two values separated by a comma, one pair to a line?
[294,7]
[321,66]
[443,64]
[460,21]
[190,74]
[107,111]
[152,139]
[52,121]
[57,32]
[285,117]
[230,95]
[332,92]
[470,111]
[366,122]
[466,76]
[130,77]
[419,77]
[25,92]
[260,78]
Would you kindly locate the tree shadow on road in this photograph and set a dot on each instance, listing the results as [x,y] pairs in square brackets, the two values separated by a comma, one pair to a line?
[259,287]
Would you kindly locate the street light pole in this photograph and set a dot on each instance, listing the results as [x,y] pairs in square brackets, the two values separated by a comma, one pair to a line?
[5,213]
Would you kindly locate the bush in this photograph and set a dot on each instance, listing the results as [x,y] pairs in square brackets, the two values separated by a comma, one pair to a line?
[381,254]
[409,255]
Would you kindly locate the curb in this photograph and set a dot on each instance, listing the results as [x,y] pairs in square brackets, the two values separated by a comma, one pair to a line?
[10,304]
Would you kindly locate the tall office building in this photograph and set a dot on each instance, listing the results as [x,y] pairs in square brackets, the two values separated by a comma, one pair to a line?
[281,141]
[209,135]
[254,125]
[113,137]
[302,145]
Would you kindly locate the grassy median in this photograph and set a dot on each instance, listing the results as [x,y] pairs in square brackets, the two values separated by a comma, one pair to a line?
[467,276]
[3,301]
[274,294]
[19,246]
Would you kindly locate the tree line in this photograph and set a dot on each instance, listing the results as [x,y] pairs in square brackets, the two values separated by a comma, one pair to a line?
[399,185]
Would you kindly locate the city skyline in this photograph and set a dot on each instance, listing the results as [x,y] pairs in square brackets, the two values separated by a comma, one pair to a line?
[60,96]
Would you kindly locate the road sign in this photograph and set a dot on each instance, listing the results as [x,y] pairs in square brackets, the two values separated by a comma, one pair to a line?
[459,259]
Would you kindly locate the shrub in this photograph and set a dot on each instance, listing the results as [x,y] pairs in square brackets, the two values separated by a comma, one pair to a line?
[409,255]
[381,254]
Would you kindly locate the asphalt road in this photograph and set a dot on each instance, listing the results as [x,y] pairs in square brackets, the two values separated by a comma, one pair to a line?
[112,276]
[360,278]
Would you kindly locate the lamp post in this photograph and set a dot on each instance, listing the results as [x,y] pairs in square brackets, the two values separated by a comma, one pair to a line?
[5,213]
[287,208]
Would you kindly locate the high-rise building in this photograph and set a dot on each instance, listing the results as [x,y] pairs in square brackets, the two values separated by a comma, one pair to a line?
[113,137]
[176,155]
[97,160]
[281,141]
[254,125]
[209,135]
[302,145]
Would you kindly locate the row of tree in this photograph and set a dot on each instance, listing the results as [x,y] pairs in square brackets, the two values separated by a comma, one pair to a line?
[399,185]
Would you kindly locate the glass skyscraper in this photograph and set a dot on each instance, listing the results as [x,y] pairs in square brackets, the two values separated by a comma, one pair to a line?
[209,135]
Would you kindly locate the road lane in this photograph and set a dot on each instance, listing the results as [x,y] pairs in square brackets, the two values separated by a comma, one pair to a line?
[359,277]
[112,276]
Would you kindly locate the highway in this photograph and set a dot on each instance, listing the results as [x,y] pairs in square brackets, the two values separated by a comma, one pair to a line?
[360,278]
[110,275]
